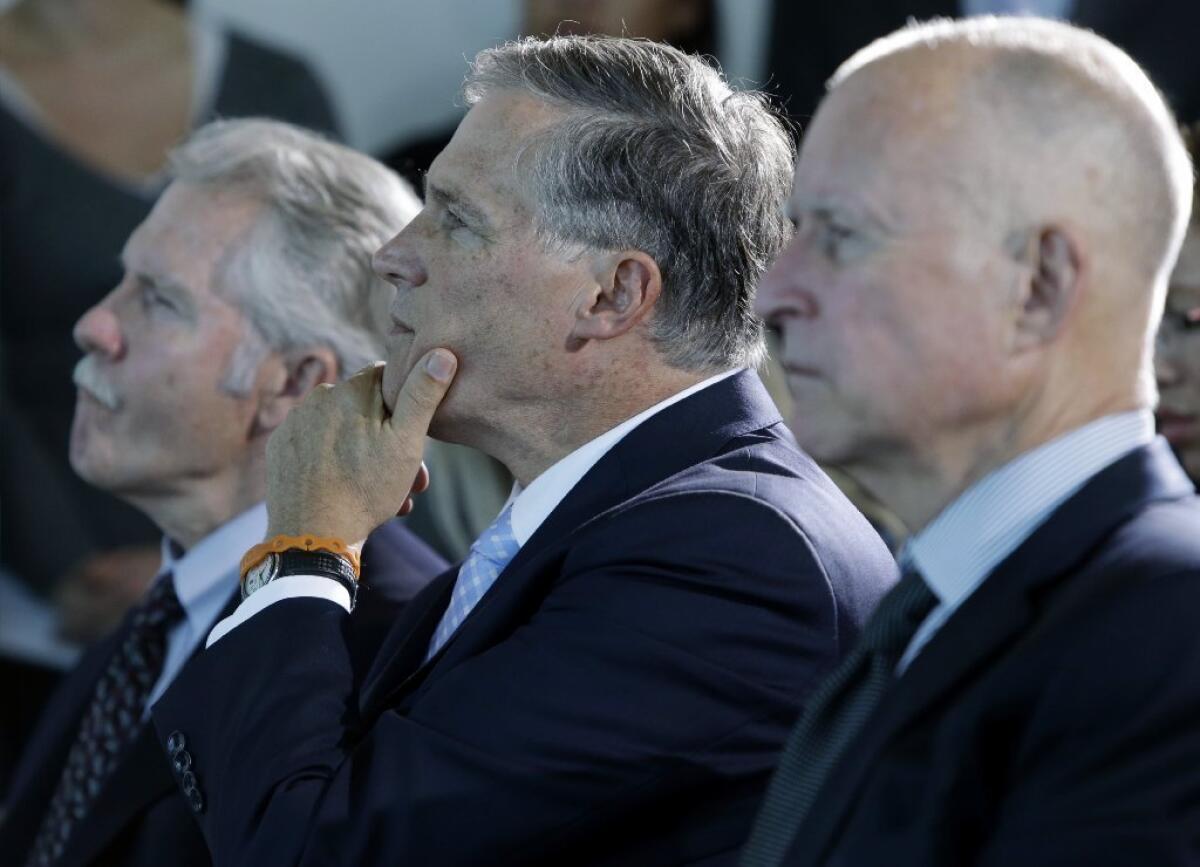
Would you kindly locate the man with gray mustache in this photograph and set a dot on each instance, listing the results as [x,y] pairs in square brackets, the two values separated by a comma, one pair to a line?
[249,284]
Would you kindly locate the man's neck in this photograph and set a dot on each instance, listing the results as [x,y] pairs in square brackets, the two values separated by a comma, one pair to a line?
[917,484]
[536,439]
[191,512]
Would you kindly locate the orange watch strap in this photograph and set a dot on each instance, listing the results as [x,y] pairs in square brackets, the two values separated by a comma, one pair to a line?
[277,544]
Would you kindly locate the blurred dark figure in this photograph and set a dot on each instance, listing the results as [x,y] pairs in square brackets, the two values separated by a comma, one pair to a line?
[1178,359]
[92,94]
[809,40]
[91,97]
[689,25]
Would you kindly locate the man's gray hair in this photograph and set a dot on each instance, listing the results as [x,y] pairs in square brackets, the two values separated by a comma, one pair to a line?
[655,152]
[303,274]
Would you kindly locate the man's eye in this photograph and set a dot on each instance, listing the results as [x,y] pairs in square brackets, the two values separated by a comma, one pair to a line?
[152,298]
[835,237]
[451,221]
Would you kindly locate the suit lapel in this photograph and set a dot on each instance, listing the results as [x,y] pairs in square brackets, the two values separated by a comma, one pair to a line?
[401,656]
[140,778]
[39,772]
[653,451]
[992,618]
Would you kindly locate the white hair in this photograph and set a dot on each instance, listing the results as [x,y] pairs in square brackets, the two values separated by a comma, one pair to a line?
[302,274]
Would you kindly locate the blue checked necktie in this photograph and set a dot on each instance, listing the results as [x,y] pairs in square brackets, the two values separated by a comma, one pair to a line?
[112,721]
[836,713]
[485,561]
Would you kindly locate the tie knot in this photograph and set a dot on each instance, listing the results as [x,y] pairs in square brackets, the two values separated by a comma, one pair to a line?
[160,607]
[898,616]
[497,543]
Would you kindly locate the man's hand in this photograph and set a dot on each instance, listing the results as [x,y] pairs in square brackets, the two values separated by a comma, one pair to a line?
[340,466]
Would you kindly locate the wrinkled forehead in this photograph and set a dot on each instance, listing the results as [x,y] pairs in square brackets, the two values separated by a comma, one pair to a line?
[882,135]
[191,234]
[486,155]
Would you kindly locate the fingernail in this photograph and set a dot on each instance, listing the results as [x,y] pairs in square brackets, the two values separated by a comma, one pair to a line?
[440,365]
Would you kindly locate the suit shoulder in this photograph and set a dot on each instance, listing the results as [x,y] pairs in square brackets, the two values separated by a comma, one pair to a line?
[1162,538]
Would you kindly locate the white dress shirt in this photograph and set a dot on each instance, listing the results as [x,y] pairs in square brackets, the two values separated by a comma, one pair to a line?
[530,507]
[205,576]
[990,520]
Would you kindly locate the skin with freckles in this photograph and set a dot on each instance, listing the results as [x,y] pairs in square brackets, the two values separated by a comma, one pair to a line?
[1178,359]
[950,299]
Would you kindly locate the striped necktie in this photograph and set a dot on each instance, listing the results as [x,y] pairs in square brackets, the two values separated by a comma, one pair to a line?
[836,713]
[485,561]
[112,721]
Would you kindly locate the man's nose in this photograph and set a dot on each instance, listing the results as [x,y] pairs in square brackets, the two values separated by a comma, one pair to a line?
[397,263]
[99,331]
[782,292]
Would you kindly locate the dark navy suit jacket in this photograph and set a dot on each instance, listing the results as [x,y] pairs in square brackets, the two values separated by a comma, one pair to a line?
[1055,717]
[619,696]
[141,818]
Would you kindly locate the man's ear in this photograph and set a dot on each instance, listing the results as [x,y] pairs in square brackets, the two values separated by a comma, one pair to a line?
[287,382]
[626,290]
[1052,288]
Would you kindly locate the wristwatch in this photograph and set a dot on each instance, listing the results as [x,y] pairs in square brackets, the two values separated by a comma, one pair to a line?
[300,562]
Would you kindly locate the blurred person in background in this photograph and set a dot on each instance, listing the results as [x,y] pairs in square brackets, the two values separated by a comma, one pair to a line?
[93,93]
[1178,357]
[248,285]
[808,41]
[689,25]
[987,213]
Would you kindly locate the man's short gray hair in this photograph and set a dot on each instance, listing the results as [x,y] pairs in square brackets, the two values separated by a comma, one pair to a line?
[656,152]
[303,274]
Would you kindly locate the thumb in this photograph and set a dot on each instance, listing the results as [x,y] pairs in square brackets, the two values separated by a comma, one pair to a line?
[423,391]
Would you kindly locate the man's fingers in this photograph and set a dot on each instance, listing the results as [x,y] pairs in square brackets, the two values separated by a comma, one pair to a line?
[421,482]
[365,391]
[424,389]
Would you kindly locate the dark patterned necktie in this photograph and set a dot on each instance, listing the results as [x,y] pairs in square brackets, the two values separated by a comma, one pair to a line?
[835,715]
[112,720]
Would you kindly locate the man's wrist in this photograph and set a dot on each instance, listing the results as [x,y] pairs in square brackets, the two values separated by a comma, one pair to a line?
[278,543]
[296,561]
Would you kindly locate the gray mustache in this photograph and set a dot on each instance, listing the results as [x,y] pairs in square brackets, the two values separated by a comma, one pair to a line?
[88,377]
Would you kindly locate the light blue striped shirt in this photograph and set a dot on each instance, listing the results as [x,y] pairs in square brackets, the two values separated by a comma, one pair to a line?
[990,520]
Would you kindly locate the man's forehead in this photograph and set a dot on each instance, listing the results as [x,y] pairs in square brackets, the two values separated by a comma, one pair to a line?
[189,234]
[483,156]
[891,162]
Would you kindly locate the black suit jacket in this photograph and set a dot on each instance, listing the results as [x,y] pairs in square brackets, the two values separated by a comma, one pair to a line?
[619,696]
[1055,717]
[810,40]
[141,818]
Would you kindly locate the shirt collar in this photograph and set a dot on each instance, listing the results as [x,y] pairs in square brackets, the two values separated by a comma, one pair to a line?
[990,520]
[206,574]
[532,505]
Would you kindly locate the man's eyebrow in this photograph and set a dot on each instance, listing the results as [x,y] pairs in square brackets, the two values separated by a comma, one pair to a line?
[173,287]
[460,204]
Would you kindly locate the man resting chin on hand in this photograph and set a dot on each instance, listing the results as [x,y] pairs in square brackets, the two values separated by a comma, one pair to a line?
[610,674]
